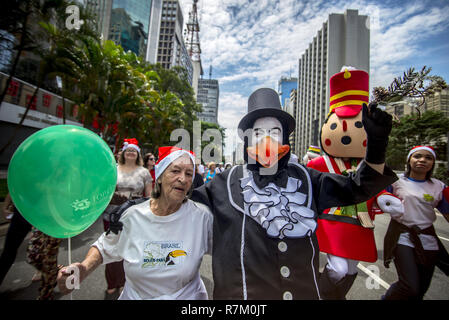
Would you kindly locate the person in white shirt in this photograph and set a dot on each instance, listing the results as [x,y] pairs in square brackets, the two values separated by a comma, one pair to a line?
[220,168]
[411,239]
[200,169]
[162,241]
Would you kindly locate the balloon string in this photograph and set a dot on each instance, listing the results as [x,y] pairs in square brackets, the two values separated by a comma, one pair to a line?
[70,259]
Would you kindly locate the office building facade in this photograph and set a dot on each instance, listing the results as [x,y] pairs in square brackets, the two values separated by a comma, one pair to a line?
[291,106]
[285,86]
[171,50]
[344,40]
[152,29]
[124,22]
[208,94]
[436,101]
[46,109]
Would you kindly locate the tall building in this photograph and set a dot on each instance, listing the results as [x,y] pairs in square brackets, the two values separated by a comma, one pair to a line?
[344,40]
[166,43]
[127,23]
[151,29]
[208,94]
[290,106]
[438,101]
[285,86]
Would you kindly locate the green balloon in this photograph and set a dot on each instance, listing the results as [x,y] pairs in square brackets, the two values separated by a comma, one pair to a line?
[61,179]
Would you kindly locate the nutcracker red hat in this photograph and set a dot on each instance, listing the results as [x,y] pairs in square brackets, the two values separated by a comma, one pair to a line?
[169,154]
[349,89]
[131,143]
[417,148]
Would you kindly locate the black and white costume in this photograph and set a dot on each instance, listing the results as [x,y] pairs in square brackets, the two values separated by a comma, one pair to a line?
[264,243]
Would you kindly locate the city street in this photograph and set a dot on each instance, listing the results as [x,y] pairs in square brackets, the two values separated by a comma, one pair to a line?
[18,286]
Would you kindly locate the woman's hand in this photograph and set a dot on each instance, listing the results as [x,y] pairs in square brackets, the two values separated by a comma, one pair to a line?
[70,277]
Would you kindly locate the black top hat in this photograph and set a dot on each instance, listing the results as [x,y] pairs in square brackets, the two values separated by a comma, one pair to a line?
[264,102]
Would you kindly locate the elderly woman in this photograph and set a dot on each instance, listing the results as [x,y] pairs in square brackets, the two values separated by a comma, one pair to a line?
[162,241]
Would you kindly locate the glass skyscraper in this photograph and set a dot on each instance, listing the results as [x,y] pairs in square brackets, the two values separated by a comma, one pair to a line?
[129,24]
[285,86]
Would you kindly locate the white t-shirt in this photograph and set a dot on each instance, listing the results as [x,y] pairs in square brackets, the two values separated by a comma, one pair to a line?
[162,254]
[419,200]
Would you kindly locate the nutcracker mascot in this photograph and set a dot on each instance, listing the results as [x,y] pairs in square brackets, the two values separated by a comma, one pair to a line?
[264,240]
[312,153]
[345,233]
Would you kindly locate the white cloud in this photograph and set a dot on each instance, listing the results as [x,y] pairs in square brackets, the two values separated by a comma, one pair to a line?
[251,44]
[402,37]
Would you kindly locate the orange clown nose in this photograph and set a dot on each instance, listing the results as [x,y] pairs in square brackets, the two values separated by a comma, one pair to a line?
[268,151]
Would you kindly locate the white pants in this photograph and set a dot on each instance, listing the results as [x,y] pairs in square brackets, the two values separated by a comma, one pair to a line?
[339,267]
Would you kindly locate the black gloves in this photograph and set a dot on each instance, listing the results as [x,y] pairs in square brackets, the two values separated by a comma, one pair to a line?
[377,124]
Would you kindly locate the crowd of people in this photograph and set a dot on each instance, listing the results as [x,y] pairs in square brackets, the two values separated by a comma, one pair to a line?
[135,179]
[161,240]
[263,230]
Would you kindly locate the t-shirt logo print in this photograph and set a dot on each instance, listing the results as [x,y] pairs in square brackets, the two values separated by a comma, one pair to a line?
[428,197]
[163,254]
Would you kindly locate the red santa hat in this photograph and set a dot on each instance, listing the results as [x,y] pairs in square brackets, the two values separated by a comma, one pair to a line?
[169,154]
[131,143]
[417,148]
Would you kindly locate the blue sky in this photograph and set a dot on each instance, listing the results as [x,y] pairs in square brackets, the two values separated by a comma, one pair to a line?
[252,44]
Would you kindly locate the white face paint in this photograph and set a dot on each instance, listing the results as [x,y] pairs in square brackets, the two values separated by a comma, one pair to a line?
[267,126]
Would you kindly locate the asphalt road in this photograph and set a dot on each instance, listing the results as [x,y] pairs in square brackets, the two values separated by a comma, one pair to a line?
[371,283]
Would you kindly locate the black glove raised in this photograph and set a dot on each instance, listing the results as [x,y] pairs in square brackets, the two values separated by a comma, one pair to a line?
[377,124]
